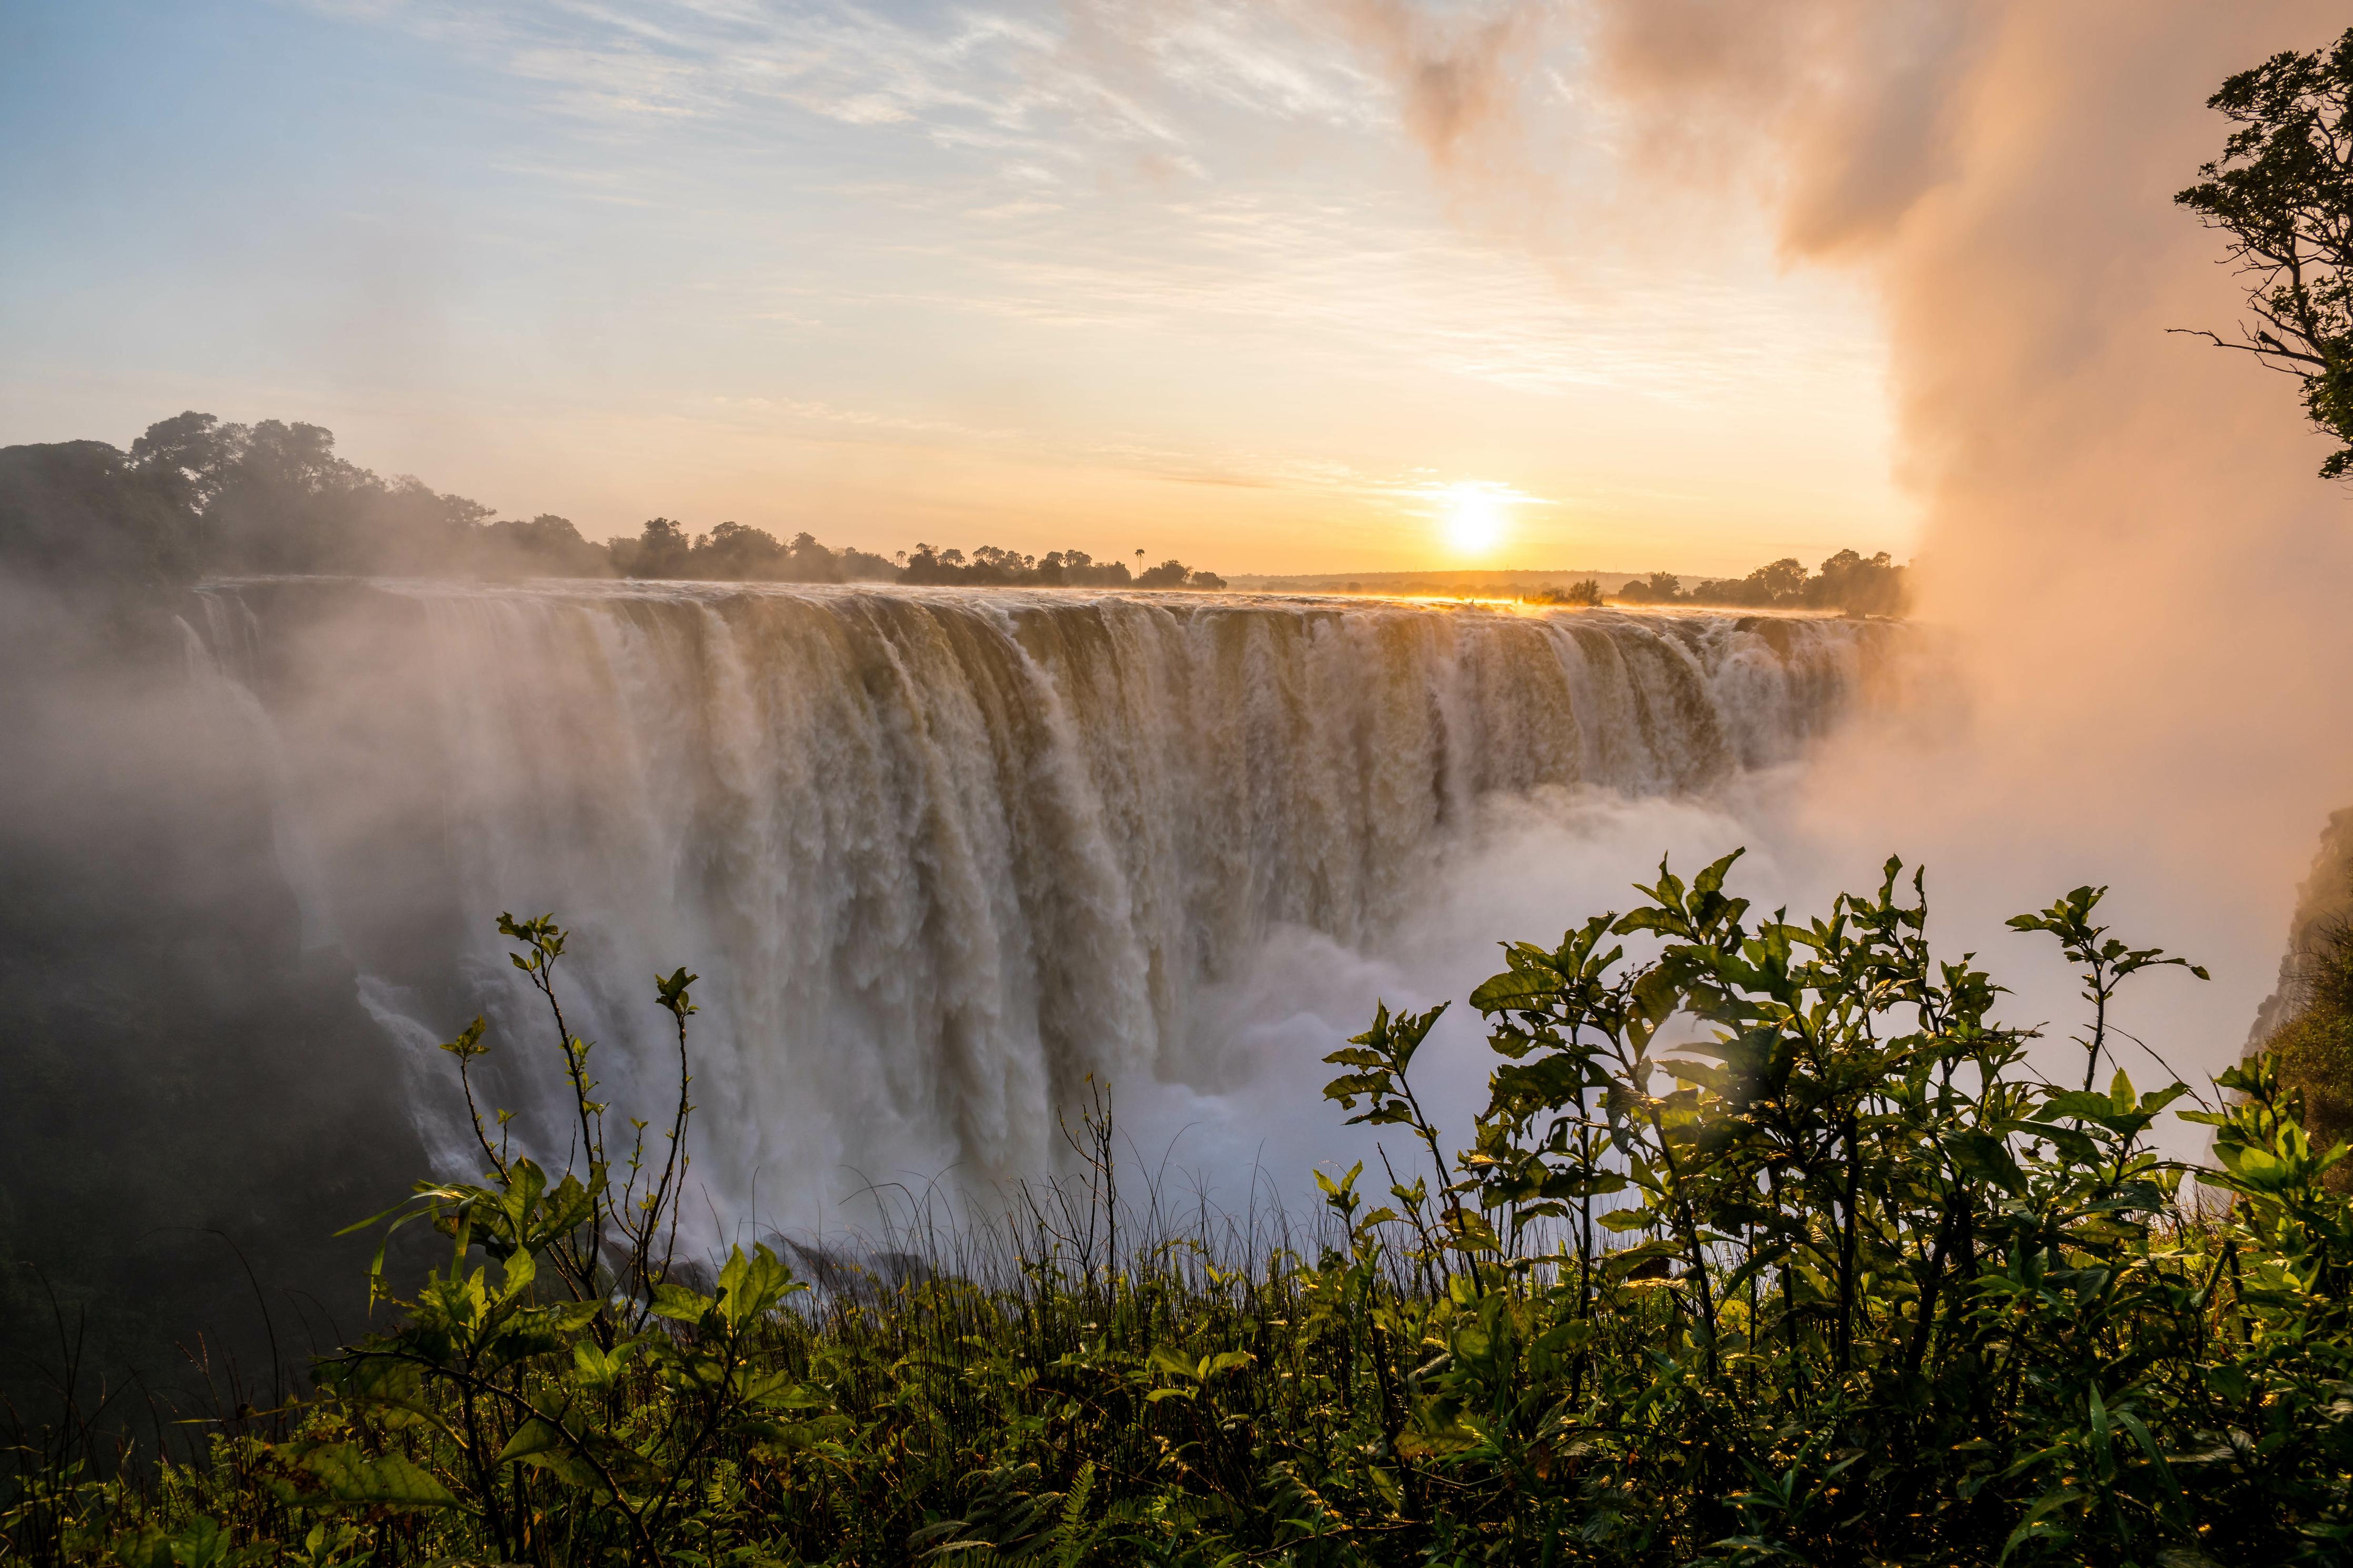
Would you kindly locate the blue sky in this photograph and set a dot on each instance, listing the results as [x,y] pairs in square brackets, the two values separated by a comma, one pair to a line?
[1262,285]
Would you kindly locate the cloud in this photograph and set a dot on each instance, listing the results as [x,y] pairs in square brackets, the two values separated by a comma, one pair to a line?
[1241,238]
[1842,112]
[2140,575]
[1458,73]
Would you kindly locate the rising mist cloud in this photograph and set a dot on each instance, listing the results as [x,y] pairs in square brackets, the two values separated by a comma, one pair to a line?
[1458,75]
[2122,535]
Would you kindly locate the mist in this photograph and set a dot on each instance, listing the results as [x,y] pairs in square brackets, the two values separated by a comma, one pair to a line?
[196,1102]
[2127,570]
[2122,532]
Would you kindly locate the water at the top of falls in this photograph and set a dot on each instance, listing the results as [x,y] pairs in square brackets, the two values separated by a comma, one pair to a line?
[940,854]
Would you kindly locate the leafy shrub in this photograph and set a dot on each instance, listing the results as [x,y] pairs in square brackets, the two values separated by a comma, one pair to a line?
[1841,1282]
[2314,1047]
[1582,594]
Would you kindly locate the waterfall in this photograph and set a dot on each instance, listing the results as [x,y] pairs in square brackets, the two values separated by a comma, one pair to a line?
[939,854]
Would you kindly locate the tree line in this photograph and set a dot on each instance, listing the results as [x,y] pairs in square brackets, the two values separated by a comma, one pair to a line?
[1859,584]
[1849,1281]
[196,495]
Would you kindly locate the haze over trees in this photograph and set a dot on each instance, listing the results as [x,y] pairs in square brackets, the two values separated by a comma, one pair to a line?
[1859,584]
[1769,1244]
[989,566]
[2282,193]
[1583,593]
[1847,1283]
[196,495]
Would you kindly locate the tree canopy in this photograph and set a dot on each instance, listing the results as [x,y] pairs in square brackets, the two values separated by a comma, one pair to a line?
[1860,584]
[2283,191]
[196,495]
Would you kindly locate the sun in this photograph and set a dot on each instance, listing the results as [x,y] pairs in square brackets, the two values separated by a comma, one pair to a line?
[1474,516]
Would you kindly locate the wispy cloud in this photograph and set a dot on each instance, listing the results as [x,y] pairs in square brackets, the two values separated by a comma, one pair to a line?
[1064,83]
[1305,258]
[962,76]
[1341,276]
[1076,118]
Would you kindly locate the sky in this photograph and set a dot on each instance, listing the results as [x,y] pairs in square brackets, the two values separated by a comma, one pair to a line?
[1286,285]
[1276,286]
[2126,559]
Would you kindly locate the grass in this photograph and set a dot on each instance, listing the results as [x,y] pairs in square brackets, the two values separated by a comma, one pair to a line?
[1850,1285]
[2314,1047]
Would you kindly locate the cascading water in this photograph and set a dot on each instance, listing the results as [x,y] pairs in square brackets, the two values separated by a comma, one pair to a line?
[940,854]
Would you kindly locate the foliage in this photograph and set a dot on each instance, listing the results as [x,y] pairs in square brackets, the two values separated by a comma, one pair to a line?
[1584,594]
[733,552]
[2106,963]
[991,566]
[275,497]
[2282,193]
[1765,1247]
[78,511]
[195,496]
[2313,1048]
[1856,584]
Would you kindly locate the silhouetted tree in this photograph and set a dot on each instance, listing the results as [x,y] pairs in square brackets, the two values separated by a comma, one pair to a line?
[2283,191]
[736,553]
[542,546]
[81,515]
[1850,581]
[1077,569]
[1780,582]
[196,495]
[860,566]
[275,497]
[1658,588]
[1584,594]
[188,453]
[661,548]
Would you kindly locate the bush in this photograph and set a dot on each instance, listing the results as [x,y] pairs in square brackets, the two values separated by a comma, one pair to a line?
[2314,1047]
[1585,595]
[1842,1282]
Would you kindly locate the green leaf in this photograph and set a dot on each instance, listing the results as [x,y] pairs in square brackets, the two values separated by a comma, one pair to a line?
[539,1444]
[535,1436]
[1173,1362]
[599,1367]
[679,1304]
[348,1476]
[1988,1158]
[1518,990]
[752,1284]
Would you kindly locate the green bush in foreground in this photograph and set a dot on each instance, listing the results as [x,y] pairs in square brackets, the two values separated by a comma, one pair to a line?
[1840,1281]
[2314,1047]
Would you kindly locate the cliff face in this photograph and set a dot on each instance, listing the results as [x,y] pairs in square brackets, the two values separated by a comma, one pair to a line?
[2325,899]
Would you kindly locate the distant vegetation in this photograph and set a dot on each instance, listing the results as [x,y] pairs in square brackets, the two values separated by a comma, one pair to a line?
[1842,1282]
[1859,584]
[2314,1047]
[195,496]
[2281,195]
[2281,192]
[1848,581]
[1501,583]
[1583,594]
[1073,568]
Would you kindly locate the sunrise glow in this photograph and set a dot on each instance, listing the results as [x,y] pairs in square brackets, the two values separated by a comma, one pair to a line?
[1030,293]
